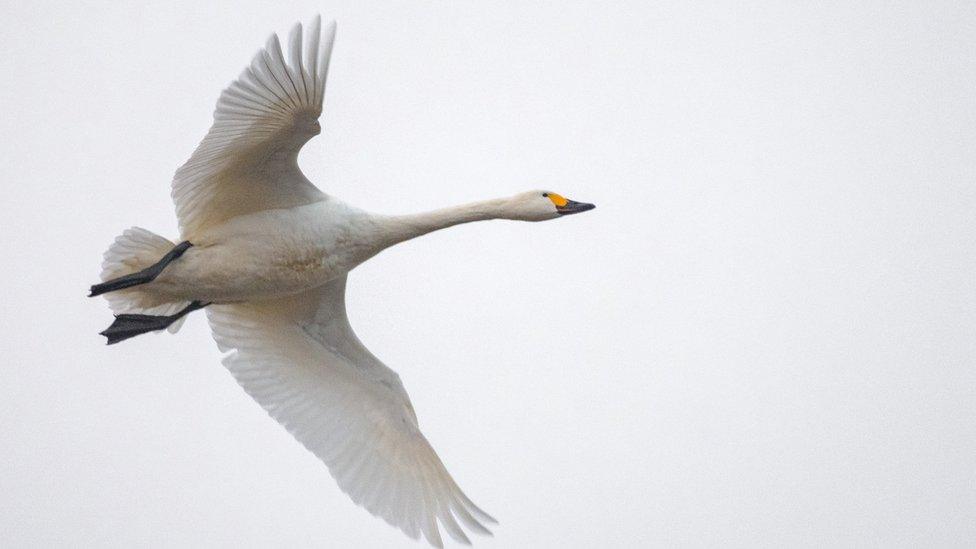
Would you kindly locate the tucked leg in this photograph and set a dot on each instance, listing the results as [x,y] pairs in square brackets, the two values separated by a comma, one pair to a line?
[146,275]
[131,325]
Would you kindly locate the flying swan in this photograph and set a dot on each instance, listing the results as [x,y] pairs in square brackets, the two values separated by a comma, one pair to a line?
[267,254]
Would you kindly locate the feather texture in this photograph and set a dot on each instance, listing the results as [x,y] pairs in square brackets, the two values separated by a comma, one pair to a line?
[299,358]
[248,161]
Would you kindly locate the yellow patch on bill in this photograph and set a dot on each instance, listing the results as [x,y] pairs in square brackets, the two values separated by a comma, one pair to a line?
[558,200]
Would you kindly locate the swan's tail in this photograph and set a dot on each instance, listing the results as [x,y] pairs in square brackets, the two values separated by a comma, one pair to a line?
[136,257]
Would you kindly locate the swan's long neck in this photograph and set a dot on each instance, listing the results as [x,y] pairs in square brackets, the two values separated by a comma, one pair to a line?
[399,228]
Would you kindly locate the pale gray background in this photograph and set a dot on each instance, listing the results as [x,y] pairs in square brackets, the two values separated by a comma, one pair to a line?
[763,336]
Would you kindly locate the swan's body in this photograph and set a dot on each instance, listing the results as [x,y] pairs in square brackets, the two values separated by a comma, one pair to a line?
[269,253]
[273,253]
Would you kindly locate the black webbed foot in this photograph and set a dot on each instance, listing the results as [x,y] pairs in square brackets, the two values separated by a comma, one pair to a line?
[130,325]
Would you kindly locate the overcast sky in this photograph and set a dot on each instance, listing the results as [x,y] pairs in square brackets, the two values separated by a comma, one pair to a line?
[763,335]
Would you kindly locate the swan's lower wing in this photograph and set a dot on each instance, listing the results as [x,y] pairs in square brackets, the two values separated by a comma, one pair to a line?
[301,361]
[248,161]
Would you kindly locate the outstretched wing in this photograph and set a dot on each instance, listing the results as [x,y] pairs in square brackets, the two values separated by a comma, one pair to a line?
[248,161]
[299,358]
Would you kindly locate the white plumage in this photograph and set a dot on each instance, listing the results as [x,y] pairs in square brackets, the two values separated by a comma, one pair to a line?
[270,254]
[300,360]
[248,161]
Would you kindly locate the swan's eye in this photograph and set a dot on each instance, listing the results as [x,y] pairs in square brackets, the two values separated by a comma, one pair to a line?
[558,200]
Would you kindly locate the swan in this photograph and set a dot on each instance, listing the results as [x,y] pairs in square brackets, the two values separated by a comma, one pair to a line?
[266,254]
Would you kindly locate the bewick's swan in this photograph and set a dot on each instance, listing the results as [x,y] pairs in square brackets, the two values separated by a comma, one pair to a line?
[267,254]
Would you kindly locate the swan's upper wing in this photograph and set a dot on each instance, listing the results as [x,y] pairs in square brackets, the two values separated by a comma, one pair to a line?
[248,161]
[301,361]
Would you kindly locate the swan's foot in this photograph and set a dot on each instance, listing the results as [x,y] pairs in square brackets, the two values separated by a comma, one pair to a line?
[131,325]
[146,275]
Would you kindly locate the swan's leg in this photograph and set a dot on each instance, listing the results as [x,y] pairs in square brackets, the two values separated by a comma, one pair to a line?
[141,277]
[131,325]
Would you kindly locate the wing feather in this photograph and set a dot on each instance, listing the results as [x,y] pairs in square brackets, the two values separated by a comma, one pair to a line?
[248,161]
[301,361]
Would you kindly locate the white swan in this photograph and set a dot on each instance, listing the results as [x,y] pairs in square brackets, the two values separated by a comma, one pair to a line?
[269,253]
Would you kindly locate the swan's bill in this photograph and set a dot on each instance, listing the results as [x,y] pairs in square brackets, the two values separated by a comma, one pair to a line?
[573,207]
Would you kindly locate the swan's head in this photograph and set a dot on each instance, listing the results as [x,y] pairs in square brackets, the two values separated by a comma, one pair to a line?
[542,205]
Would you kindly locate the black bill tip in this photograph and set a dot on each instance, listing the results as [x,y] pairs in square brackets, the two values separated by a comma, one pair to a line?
[574,207]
